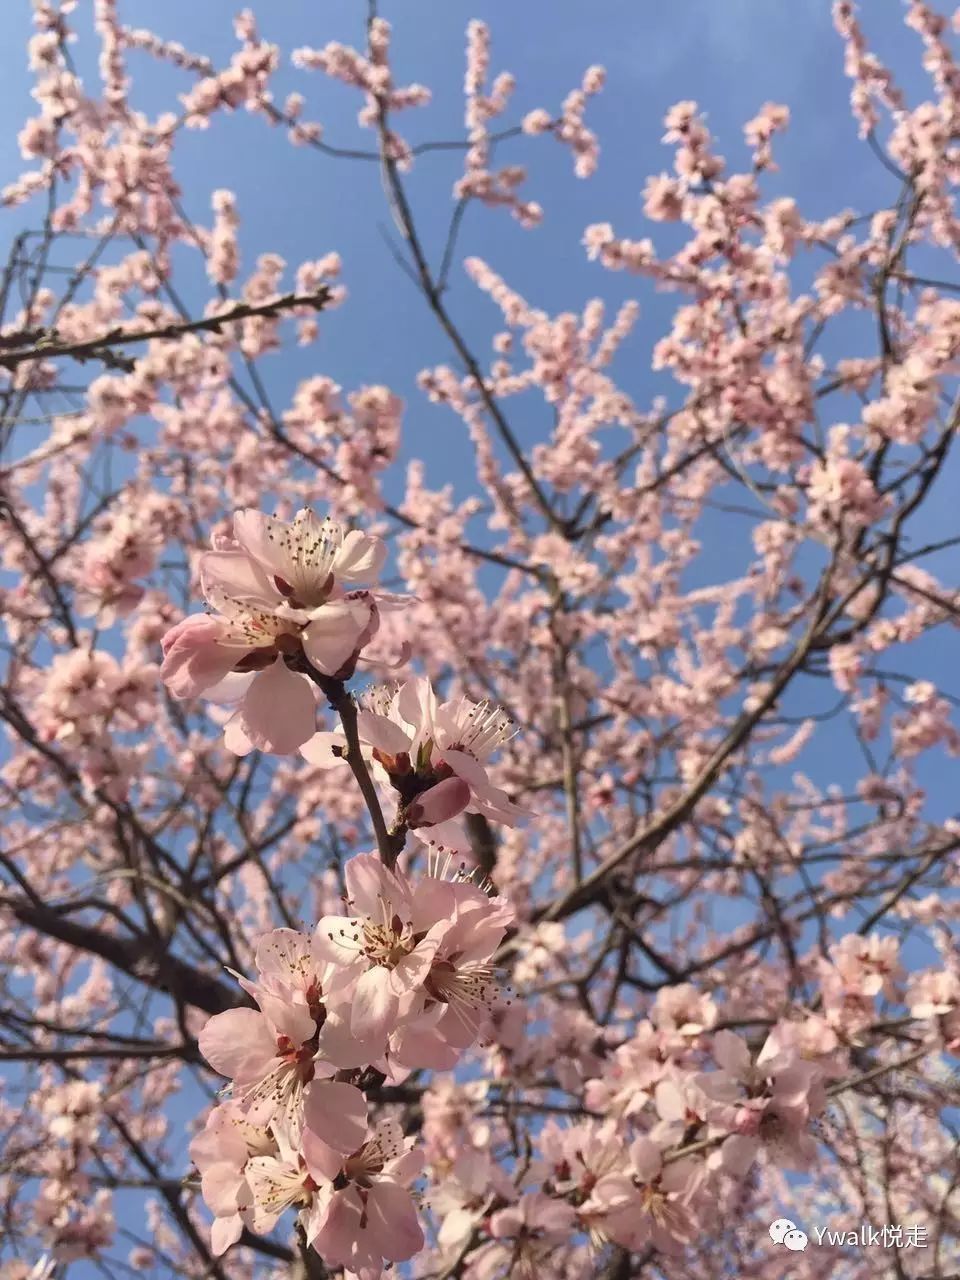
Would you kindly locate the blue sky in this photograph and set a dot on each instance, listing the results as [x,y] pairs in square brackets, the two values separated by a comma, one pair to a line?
[729,55]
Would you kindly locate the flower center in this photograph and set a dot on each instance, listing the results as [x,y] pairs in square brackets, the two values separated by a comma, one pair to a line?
[387,942]
[653,1202]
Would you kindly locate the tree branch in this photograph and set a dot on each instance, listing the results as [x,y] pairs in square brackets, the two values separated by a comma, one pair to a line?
[45,345]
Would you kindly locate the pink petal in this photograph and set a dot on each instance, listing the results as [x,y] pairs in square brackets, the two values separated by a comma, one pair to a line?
[340,1047]
[361,558]
[613,1191]
[224,1233]
[370,885]
[239,1044]
[488,799]
[449,837]
[323,1163]
[234,738]
[383,733]
[278,714]
[333,636]
[554,1217]
[320,749]
[439,803]
[682,1176]
[335,1239]
[482,938]
[738,1153]
[415,1048]
[792,1084]
[314,1216]
[365,875]
[404,1168]
[238,577]
[506,1222]
[433,900]
[413,968]
[265,539]
[193,658]
[286,954]
[718,1086]
[647,1159]
[337,939]
[388,601]
[496,804]
[466,767]
[220,1141]
[231,690]
[459,1028]
[221,1185]
[731,1053]
[671,1104]
[392,1222]
[337,1113]
[455,1228]
[374,1004]
[294,1021]
[416,703]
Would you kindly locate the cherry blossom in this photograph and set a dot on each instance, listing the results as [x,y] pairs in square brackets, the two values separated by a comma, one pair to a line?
[651,1204]
[270,1053]
[369,1217]
[221,1154]
[769,1101]
[279,592]
[429,939]
[433,754]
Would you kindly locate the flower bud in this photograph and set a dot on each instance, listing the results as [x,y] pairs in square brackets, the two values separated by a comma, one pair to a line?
[442,801]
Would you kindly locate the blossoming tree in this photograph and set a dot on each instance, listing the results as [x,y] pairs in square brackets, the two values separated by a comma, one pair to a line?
[392,881]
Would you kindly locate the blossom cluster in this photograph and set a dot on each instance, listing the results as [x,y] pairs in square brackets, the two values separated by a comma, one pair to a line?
[433,754]
[280,594]
[677,1116]
[294,607]
[402,981]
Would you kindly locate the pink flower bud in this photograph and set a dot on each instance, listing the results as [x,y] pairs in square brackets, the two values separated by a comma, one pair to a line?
[444,800]
[193,658]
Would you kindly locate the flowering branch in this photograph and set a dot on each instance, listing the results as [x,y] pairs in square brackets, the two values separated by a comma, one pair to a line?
[45,344]
[433,292]
[389,844]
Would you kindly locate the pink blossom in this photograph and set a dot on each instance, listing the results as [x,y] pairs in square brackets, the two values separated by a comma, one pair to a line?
[767,1103]
[202,650]
[282,1181]
[368,1217]
[463,1196]
[279,591]
[221,1153]
[128,551]
[653,1206]
[387,945]
[935,996]
[434,754]
[525,1235]
[461,989]
[308,575]
[271,1053]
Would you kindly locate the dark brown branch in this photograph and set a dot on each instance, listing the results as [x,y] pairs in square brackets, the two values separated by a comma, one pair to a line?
[45,346]
[167,973]
[389,844]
